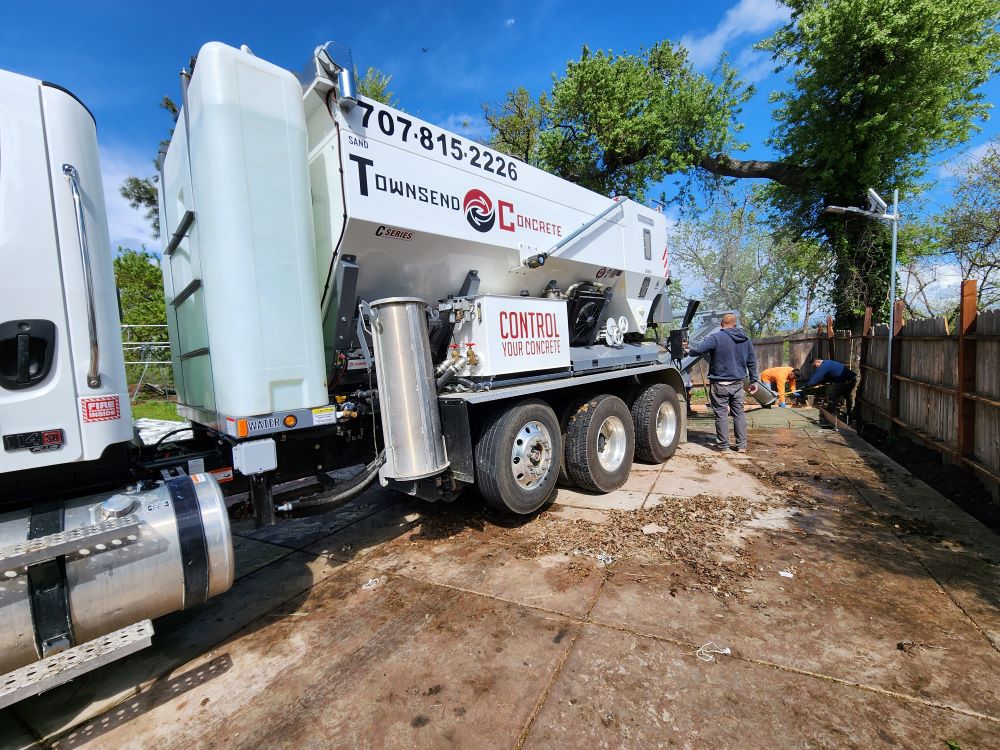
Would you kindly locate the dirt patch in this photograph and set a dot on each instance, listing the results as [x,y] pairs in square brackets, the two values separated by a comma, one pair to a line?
[468,517]
[958,484]
[770,478]
[698,458]
[913,526]
[695,534]
[698,535]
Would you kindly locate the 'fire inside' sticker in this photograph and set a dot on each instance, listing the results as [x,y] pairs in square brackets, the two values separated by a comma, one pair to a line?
[101,408]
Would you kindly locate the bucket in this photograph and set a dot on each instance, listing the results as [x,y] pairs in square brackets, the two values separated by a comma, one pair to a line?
[764,395]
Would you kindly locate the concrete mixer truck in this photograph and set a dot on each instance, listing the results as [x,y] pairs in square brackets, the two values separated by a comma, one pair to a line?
[347,285]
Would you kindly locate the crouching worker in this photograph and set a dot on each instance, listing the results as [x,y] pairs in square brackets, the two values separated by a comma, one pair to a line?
[730,358]
[839,380]
[778,377]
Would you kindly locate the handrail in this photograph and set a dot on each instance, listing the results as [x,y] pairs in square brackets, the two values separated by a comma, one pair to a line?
[73,178]
[536,261]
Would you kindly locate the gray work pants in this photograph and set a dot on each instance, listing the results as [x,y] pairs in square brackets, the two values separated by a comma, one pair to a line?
[726,399]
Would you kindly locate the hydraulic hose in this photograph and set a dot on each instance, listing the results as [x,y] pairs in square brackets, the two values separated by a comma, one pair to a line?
[350,490]
[449,370]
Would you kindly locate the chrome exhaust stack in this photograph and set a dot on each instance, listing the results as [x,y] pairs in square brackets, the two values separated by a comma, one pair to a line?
[407,391]
[335,63]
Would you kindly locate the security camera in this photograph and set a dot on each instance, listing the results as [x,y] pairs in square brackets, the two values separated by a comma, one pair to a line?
[875,202]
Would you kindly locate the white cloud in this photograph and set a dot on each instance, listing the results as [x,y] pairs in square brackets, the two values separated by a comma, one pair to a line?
[126,226]
[956,165]
[753,65]
[746,17]
[509,22]
[469,126]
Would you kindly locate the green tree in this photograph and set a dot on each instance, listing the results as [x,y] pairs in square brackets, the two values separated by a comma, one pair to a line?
[142,193]
[140,294]
[965,237]
[516,124]
[375,85]
[619,123]
[972,225]
[140,289]
[739,262]
[877,87]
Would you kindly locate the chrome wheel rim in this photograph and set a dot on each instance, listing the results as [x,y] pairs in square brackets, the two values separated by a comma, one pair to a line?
[666,424]
[531,455]
[611,443]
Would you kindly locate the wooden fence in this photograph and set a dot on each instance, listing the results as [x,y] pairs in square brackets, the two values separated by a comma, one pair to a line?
[945,384]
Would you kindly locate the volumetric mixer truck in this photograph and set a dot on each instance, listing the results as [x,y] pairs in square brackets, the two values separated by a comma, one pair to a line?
[347,285]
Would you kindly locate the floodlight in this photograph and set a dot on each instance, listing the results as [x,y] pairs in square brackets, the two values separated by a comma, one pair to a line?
[875,202]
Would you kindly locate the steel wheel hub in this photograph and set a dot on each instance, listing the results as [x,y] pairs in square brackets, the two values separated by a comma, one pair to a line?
[531,455]
[666,424]
[611,443]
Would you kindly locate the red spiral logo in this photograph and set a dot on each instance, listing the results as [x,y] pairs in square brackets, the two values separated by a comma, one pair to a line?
[479,210]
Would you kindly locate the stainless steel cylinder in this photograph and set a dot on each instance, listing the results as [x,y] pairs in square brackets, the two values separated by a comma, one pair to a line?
[407,392]
[180,554]
[764,395]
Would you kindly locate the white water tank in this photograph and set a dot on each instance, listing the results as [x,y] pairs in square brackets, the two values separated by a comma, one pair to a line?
[242,292]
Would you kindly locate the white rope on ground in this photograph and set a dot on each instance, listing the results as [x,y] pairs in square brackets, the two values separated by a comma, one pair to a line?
[705,653]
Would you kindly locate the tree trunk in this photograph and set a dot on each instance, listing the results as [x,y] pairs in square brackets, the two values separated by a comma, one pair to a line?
[809,301]
[862,252]
[777,171]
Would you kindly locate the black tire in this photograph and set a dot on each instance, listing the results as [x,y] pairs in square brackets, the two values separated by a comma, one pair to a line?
[495,455]
[649,446]
[567,412]
[595,461]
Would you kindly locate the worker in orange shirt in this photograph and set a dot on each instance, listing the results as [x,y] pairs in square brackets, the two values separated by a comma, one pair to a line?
[777,377]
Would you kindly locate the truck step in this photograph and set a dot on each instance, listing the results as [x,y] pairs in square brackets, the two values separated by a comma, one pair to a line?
[70,542]
[62,667]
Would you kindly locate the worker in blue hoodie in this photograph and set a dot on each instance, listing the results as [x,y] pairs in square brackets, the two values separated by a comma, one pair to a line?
[838,379]
[730,358]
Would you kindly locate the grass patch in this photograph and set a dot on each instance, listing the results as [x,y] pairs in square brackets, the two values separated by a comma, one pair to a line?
[699,396]
[155,409]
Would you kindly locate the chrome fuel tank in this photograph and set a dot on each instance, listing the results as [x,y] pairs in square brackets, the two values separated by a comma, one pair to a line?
[117,558]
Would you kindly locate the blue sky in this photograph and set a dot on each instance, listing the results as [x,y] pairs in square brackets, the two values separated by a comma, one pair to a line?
[120,58]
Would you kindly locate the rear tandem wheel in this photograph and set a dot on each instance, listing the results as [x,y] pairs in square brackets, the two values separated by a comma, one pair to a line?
[656,414]
[600,443]
[517,457]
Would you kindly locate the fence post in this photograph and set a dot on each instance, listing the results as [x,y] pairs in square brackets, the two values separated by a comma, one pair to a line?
[967,371]
[866,328]
[829,338]
[897,352]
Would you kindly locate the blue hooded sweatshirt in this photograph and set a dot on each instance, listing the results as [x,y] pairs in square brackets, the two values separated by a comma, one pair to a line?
[731,355]
[830,371]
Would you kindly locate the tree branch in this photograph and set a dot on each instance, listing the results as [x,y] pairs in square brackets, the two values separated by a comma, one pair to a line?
[781,172]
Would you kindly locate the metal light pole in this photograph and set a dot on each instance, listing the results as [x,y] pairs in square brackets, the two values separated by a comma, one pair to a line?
[892,296]
[877,210]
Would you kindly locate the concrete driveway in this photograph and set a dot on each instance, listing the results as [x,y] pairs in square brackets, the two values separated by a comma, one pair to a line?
[813,594]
